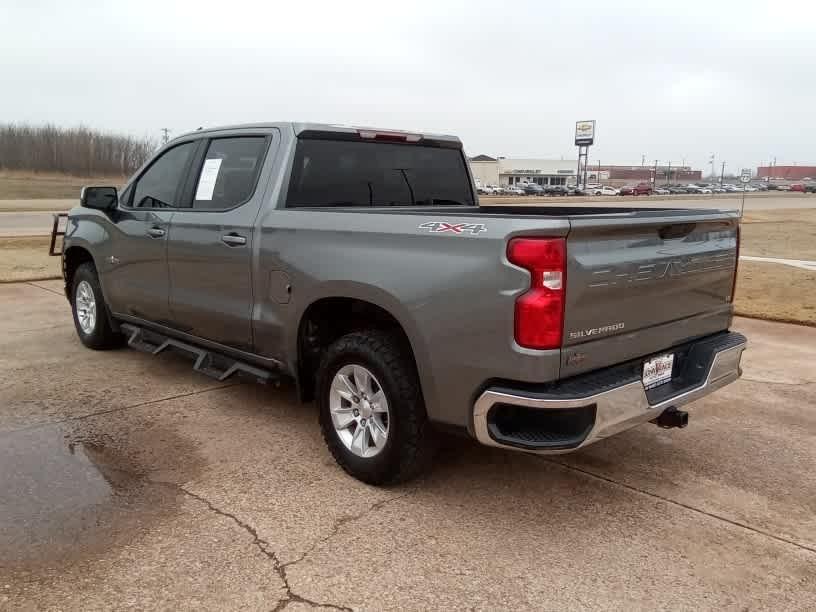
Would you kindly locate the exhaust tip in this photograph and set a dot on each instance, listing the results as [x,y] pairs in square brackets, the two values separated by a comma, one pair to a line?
[672,417]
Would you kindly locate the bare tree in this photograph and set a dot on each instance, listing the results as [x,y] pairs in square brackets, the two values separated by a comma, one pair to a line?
[79,151]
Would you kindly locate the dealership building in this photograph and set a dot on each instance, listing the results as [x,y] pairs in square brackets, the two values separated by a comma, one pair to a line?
[504,171]
[788,173]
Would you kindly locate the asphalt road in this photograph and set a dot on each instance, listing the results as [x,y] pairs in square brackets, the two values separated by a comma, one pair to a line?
[129,481]
[37,221]
[25,223]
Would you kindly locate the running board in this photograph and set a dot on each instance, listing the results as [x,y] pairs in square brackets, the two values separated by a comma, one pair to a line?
[216,365]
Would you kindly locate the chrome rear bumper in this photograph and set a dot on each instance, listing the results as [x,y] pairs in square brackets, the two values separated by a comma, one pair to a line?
[617,407]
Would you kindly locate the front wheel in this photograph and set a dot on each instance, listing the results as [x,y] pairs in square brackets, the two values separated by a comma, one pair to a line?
[372,414]
[90,314]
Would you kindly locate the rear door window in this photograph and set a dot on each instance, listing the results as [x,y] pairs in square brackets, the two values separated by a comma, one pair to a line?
[229,172]
[353,173]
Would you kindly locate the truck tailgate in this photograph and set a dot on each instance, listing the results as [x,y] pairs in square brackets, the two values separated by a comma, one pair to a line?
[642,282]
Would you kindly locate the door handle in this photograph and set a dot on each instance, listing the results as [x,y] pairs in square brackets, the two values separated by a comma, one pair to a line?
[233,240]
[155,232]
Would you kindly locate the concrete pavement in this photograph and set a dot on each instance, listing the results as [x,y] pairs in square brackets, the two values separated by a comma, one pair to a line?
[794,263]
[129,481]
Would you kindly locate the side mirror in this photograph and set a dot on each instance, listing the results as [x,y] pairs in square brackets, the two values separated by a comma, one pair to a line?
[99,198]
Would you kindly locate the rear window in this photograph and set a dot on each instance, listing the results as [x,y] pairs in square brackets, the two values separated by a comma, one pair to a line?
[351,173]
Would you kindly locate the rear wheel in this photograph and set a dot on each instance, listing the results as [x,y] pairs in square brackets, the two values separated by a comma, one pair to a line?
[90,313]
[371,410]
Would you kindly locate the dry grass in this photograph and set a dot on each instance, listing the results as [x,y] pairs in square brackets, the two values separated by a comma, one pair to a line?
[786,233]
[776,292]
[26,258]
[30,185]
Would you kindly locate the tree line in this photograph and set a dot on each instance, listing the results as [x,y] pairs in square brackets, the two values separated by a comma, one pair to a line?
[78,151]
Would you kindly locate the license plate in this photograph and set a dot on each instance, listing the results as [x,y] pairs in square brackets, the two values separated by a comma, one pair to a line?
[657,371]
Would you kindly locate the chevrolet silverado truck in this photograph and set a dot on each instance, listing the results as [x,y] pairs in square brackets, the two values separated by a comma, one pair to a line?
[359,264]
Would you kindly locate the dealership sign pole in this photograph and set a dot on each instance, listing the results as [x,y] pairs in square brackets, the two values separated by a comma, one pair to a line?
[584,137]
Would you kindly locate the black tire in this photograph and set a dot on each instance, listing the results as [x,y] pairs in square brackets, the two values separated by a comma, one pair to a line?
[101,336]
[408,448]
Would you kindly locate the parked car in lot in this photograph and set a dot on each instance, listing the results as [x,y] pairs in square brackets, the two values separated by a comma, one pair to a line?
[321,254]
[605,190]
[750,188]
[800,187]
[558,190]
[662,191]
[676,189]
[533,189]
[513,190]
[781,187]
[692,188]
[810,188]
[639,189]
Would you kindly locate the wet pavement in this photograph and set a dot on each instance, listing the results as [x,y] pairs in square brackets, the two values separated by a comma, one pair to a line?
[129,481]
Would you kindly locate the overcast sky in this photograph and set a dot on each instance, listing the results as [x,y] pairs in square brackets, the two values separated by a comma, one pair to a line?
[669,80]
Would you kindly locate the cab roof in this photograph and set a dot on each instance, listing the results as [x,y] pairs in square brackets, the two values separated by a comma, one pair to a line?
[300,128]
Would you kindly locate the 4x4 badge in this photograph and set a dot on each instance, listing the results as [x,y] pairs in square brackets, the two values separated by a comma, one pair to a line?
[439,227]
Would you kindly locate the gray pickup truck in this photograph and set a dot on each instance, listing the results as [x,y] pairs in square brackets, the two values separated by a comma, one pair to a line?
[358,263]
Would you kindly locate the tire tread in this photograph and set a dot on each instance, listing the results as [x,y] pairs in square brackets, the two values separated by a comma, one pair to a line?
[414,442]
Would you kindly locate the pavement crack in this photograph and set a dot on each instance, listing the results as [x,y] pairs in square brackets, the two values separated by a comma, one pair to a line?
[680,504]
[33,284]
[262,545]
[341,522]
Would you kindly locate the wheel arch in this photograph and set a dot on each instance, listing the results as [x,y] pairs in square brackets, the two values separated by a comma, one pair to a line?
[332,314]
[73,257]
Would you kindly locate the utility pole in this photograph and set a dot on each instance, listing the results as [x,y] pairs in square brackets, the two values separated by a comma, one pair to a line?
[711,161]
[654,179]
[722,174]
[668,174]
[642,160]
[165,135]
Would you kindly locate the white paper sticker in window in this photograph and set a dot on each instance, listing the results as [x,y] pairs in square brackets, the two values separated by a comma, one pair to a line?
[206,183]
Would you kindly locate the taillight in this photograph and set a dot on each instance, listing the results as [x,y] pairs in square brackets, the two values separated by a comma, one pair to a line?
[736,267]
[540,310]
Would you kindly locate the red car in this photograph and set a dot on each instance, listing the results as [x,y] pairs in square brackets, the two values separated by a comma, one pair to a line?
[639,189]
[798,187]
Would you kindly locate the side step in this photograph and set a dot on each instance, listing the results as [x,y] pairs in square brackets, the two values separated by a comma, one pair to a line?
[216,365]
